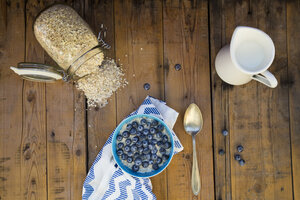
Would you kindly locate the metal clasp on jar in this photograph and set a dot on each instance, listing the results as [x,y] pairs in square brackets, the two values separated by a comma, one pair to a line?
[101,36]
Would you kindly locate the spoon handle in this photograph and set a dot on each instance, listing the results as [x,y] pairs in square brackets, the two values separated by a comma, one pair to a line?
[196,183]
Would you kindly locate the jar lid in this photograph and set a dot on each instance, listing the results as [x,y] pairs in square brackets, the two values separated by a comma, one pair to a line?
[38,72]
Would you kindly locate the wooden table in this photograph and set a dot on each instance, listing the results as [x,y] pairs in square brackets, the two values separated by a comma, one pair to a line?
[48,140]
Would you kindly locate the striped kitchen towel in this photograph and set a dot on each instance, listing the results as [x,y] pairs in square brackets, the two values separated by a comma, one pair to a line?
[106,180]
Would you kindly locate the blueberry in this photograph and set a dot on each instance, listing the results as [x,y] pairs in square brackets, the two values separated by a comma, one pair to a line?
[119,152]
[149,137]
[143,121]
[127,148]
[147,156]
[165,157]
[138,161]
[145,164]
[240,148]
[160,143]
[146,150]
[135,168]
[140,149]
[167,145]
[143,137]
[143,157]
[225,132]
[159,134]
[153,151]
[237,157]
[135,139]
[119,137]
[242,162]
[136,155]
[165,138]
[140,128]
[139,144]
[177,67]
[155,166]
[135,124]
[151,146]
[130,153]
[151,162]
[221,152]
[129,126]
[154,141]
[124,156]
[162,150]
[145,143]
[129,159]
[153,156]
[125,134]
[148,124]
[120,145]
[154,123]
[128,141]
[158,160]
[160,127]
[139,133]
[133,131]
[152,130]
[133,148]
[145,131]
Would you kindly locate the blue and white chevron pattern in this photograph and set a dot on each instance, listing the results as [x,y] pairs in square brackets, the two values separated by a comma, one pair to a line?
[106,180]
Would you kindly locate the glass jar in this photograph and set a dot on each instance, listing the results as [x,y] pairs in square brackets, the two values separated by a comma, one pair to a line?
[70,42]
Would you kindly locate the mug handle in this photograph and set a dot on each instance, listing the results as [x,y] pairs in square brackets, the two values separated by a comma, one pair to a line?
[266,78]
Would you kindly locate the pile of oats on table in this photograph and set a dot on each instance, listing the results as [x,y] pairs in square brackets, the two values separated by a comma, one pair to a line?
[100,85]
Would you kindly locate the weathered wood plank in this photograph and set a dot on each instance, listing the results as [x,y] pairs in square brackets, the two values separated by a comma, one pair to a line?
[138,44]
[293,81]
[34,118]
[101,122]
[186,42]
[66,135]
[12,45]
[79,143]
[258,116]
[220,99]
[33,155]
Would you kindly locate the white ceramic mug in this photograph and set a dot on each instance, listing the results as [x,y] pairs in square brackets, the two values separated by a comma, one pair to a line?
[249,55]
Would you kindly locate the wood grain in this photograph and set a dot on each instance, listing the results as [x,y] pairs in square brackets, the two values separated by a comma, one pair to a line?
[293,82]
[138,44]
[33,146]
[258,116]
[220,99]
[12,45]
[186,40]
[66,135]
[101,122]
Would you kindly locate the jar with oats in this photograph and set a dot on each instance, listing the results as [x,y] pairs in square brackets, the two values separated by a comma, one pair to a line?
[71,43]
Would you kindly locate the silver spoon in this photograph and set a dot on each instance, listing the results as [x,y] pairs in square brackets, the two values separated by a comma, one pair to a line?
[193,123]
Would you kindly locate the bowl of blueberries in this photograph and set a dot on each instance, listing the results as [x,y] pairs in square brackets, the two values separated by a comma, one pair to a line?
[142,145]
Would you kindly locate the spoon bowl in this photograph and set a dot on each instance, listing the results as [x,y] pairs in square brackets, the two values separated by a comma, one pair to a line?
[193,123]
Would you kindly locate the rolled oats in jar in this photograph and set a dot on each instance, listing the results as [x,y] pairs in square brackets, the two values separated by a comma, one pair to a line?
[64,35]
[69,40]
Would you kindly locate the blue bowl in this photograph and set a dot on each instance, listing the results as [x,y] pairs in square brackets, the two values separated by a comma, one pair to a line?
[129,170]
